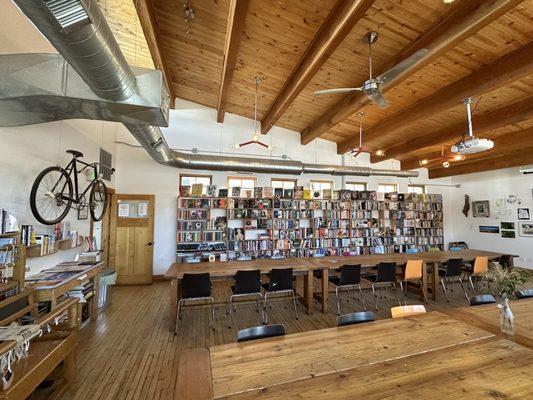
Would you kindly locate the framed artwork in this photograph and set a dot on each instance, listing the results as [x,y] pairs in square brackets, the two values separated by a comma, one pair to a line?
[481,209]
[507,225]
[83,213]
[523,214]
[489,229]
[508,234]
[525,229]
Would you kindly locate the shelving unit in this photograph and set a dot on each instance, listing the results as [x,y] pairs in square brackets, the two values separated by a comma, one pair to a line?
[351,223]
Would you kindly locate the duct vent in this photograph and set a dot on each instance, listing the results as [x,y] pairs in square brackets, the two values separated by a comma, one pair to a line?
[106,164]
[69,14]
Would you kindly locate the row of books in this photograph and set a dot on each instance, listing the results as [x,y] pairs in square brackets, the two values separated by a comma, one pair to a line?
[249,213]
[201,236]
[250,245]
[193,214]
[203,203]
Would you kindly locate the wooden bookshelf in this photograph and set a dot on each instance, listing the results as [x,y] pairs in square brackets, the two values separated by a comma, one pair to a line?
[360,224]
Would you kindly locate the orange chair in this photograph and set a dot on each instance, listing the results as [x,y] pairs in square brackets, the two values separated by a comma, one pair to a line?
[405,311]
[413,272]
[481,266]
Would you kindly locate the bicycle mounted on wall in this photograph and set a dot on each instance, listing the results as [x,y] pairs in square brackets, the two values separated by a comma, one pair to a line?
[56,190]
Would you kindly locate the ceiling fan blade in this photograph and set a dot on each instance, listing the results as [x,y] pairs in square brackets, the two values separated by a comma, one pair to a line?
[337,91]
[399,68]
[379,100]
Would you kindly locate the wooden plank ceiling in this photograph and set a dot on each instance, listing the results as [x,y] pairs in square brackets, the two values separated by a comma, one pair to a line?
[299,46]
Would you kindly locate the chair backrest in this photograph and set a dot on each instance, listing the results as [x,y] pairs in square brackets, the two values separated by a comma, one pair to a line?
[481,299]
[350,274]
[405,311]
[413,269]
[260,332]
[506,261]
[524,293]
[481,265]
[195,285]
[453,267]
[248,282]
[386,272]
[280,279]
[355,318]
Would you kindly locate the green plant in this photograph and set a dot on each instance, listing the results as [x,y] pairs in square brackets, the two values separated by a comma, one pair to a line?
[505,280]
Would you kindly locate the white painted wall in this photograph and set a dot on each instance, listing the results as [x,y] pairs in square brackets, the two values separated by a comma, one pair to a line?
[493,185]
[195,126]
[25,151]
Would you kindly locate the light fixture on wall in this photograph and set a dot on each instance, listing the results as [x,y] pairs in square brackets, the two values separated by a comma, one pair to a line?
[255,136]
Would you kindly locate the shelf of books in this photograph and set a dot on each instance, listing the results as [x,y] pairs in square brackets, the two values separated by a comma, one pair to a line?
[264,222]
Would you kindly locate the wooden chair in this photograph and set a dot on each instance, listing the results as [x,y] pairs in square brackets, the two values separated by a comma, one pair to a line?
[481,266]
[405,311]
[413,272]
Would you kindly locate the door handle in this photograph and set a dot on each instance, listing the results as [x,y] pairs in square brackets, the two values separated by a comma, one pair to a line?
[149,244]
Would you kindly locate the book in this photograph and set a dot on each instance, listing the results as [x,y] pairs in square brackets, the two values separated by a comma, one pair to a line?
[288,193]
[258,192]
[222,192]
[316,194]
[248,193]
[211,190]
[326,194]
[308,194]
[335,195]
[278,193]
[185,191]
[268,192]
[197,189]
[236,191]
[298,192]
[345,194]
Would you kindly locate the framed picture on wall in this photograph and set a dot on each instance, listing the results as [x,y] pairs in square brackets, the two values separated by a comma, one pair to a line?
[526,229]
[489,229]
[481,209]
[523,214]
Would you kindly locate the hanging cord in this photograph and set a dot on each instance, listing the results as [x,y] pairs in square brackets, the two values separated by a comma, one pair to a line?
[370,57]
[60,139]
[361,115]
[257,80]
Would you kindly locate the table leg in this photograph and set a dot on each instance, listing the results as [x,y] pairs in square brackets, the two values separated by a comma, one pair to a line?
[93,308]
[424,281]
[435,272]
[308,291]
[173,303]
[325,290]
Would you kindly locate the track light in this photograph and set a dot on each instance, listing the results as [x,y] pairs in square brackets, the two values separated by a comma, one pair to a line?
[445,164]
[424,162]
[380,153]
[459,157]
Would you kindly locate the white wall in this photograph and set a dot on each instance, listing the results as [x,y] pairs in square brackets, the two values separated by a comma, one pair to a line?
[25,151]
[195,126]
[492,186]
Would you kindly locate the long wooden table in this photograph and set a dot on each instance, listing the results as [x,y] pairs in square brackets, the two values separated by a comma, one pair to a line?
[430,356]
[305,266]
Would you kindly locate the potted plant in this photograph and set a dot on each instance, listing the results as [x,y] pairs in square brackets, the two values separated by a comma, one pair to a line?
[506,281]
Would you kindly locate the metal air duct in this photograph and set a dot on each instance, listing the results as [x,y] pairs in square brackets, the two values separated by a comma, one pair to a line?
[78,30]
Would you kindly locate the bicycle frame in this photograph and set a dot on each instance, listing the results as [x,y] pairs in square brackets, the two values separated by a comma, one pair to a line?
[72,170]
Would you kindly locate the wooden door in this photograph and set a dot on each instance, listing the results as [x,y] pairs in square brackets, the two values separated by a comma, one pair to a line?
[132,238]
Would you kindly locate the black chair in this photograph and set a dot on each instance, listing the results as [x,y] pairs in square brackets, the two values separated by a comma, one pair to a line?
[524,293]
[386,276]
[350,278]
[260,332]
[195,287]
[247,284]
[453,271]
[355,318]
[506,261]
[481,299]
[280,283]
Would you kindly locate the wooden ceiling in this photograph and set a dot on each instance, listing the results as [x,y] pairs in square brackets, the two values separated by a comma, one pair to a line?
[477,48]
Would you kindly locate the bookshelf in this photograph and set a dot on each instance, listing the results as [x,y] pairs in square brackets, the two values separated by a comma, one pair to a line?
[326,224]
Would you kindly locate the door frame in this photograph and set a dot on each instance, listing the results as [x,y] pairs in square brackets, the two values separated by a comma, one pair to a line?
[113,225]
[106,228]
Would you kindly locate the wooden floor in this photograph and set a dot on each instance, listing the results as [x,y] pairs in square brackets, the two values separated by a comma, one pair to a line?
[130,353]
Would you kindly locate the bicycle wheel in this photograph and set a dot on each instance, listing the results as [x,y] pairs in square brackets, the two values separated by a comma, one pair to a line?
[51,196]
[98,200]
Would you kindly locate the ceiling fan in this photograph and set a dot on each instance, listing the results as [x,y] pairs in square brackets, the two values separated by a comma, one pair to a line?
[371,87]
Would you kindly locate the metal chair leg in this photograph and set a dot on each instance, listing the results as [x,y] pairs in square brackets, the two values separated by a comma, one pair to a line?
[444,288]
[396,292]
[375,296]
[472,283]
[424,295]
[213,313]
[403,292]
[265,314]
[230,320]
[338,302]
[177,318]
[361,298]
[294,302]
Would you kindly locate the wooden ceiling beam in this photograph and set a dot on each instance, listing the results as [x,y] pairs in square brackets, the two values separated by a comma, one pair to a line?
[504,143]
[518,158]
[509,114]
[148,22]
[338,24]
[509,68]
[463,20]
[236,17]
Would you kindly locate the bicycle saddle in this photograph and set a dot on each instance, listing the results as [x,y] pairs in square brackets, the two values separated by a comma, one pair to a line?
[75,153]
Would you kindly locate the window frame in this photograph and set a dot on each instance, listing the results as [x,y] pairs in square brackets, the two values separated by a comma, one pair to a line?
[388,184]
[365,185]
[294,181]
[181,176]
[241,178]
[417,186]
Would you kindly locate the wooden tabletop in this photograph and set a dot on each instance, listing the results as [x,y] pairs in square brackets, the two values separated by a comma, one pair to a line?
[228,268]
[425,356]
[488,317]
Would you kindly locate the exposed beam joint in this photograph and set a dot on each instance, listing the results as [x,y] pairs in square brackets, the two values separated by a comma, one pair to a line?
[338,24]
[498,118]
[234,29]
[466,18]
[146,15]
[509,68]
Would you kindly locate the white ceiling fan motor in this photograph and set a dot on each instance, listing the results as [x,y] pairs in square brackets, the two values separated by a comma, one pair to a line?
[471,144]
